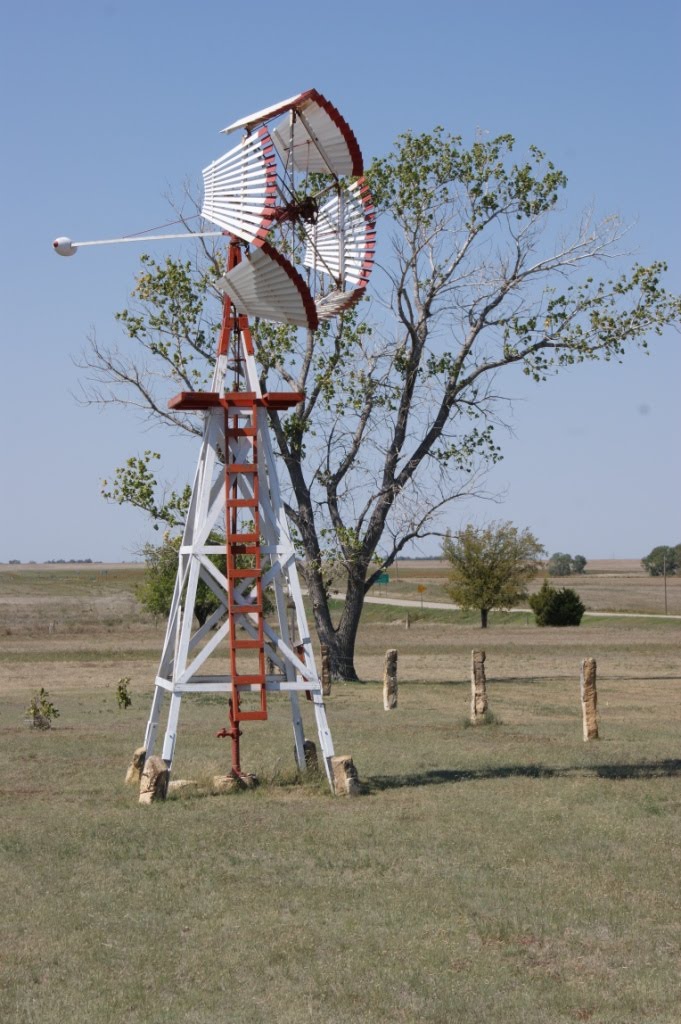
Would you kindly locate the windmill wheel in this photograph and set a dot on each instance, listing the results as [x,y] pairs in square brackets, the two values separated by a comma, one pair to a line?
[292,190]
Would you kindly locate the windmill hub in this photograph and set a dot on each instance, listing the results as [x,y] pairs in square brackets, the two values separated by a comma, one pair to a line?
[307,210]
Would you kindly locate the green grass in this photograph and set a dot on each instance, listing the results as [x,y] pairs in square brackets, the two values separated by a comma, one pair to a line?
[69,582]
[499,874]
[376,613]
[77,655]
[504,874]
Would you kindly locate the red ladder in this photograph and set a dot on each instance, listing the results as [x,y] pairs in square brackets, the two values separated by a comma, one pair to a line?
[243,546]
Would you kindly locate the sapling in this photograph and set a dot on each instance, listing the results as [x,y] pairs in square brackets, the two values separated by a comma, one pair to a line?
[41,711]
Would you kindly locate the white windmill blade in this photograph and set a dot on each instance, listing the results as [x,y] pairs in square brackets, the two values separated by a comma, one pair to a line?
[240,188]
[342,241]
[316,137]
[266,285]
[336,302]
[261,116]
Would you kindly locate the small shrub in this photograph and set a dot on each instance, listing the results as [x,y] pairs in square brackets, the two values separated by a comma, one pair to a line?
[123,698]
[553,607]
[488,718]
[41,711]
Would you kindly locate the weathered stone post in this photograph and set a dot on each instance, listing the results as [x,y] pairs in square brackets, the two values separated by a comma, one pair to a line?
[390,681]
[345,779]
[154,781]
[232,782]
[587,691]
[478,687]
[326,671]
[134,773]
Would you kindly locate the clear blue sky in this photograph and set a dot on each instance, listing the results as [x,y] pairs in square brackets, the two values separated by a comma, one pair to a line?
[107,105]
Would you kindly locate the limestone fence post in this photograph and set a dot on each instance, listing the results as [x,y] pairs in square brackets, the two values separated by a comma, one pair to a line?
[345,779]
[154,781]
[390,681]
[478,687]
[587,692]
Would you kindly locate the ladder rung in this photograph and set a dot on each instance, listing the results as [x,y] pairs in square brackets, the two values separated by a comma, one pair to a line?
[241,467]
[241,431]
[258,680]
[250,716]
[244,574]
[241,503]
[247,645]
[245,609]
[238,399]
[242,538]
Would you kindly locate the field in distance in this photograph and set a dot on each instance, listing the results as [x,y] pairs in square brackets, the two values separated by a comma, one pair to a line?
[616,585]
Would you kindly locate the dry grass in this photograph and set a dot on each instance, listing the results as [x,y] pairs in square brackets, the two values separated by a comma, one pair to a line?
[508,873]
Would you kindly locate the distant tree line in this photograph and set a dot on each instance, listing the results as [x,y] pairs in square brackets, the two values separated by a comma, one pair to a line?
[560,564]
[57,561]
[663,560]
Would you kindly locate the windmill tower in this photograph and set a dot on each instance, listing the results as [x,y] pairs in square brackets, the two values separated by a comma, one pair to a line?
[291,199]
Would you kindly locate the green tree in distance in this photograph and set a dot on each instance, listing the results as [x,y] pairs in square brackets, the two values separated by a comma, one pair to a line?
[156,591]
[663,559]
[399,408]
[491,566]
[560,564]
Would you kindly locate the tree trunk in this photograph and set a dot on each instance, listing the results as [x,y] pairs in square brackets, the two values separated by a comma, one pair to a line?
[339,639]
[341,655]
[484,612]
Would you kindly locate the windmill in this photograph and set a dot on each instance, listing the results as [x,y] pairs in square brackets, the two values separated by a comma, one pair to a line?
[291,199]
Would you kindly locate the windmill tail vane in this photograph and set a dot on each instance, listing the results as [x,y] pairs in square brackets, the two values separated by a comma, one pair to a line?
[293,202]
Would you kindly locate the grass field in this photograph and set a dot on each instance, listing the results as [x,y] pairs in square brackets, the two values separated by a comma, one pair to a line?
[506,873]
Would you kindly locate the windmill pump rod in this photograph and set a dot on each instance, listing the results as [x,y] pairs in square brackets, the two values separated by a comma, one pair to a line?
[65,247]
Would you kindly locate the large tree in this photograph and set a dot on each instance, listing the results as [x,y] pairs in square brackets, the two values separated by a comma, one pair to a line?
[491,566]
[663,560]
[401,395]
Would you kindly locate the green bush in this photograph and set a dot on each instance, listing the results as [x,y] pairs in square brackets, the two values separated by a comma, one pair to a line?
[123,698]
[41,711]
[553,607]
[156,591]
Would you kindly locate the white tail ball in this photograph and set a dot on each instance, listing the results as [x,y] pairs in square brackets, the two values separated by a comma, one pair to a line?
[64,246]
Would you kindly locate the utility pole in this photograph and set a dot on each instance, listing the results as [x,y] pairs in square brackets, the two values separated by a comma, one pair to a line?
[664,574]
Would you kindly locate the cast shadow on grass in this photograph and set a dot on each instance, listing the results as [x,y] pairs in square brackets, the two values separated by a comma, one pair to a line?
[438,776]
